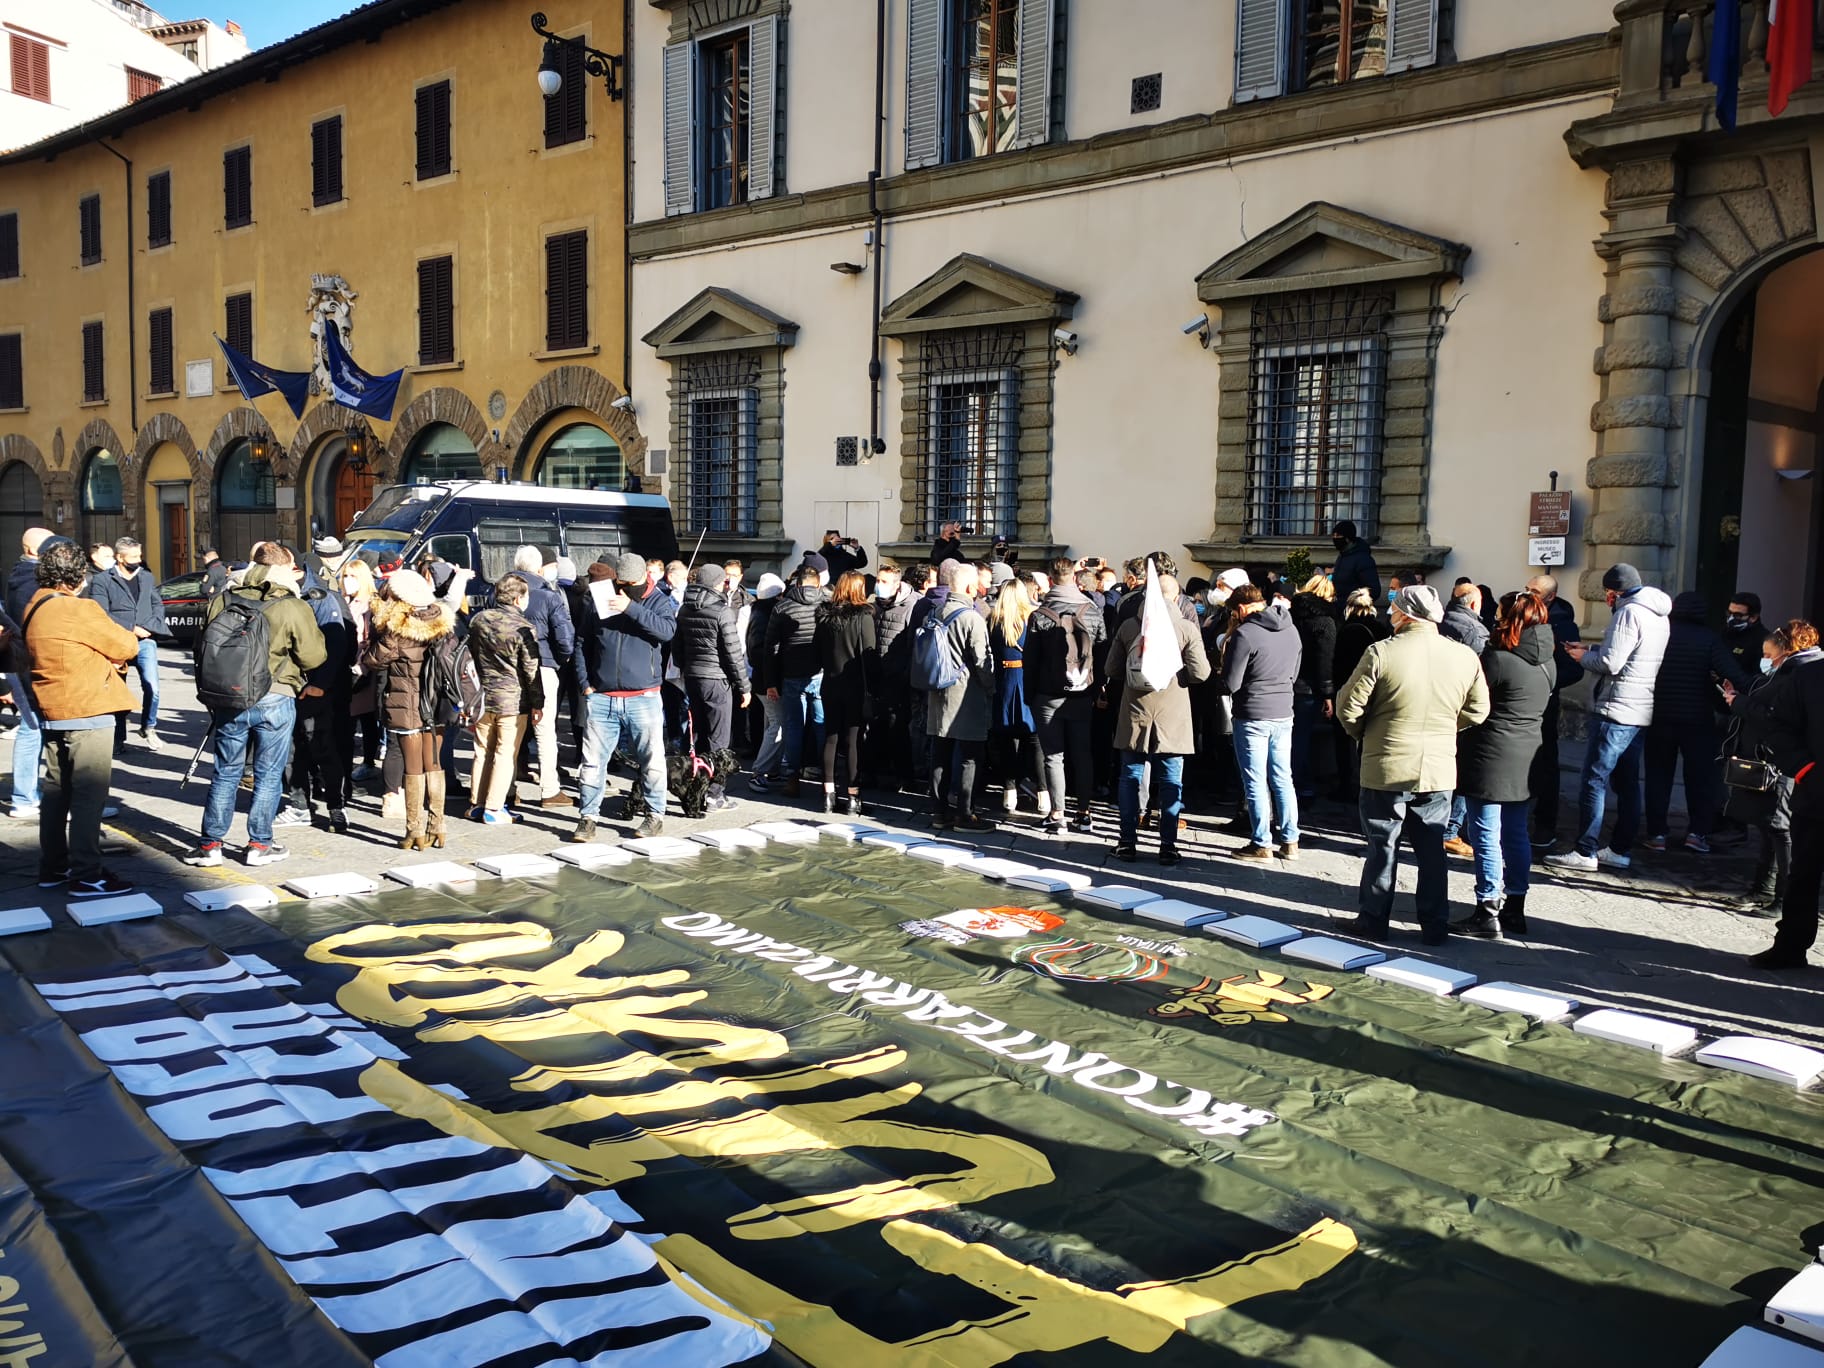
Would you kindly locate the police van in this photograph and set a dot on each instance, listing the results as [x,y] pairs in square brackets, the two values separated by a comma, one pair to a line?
[479,524]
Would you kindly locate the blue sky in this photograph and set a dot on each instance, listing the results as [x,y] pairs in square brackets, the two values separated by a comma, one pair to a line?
[268,21]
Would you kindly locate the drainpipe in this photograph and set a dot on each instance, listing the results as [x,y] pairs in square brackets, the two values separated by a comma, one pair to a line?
[132,331]
[876,444]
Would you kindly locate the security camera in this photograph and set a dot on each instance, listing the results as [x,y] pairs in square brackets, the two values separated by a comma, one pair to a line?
[1066,340]
[1201,323]
[624,403]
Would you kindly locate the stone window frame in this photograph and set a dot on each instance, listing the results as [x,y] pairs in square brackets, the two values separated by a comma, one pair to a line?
[970,293]
[1326,247]
[717,325]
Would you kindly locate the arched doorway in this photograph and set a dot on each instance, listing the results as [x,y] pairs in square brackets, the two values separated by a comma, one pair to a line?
[581,456]
[1761,508]
[103,502]
[442,452]
[21,506]
[246,502]
[341,483]
[165,499]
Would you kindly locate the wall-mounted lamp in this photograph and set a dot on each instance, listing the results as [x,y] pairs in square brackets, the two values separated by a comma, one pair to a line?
[1199,325]
[595,62]
[260,452]
[848,268]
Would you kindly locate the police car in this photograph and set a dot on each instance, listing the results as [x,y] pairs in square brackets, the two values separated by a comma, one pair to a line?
[185,604]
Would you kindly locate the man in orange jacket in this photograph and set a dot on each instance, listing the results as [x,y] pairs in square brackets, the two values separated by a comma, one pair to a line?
[78,658]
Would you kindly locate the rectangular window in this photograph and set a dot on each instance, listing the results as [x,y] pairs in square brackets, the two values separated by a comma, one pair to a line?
[436,311]
[237,187]
[1317,385]
[566,112]
[141,84]
[31,68]
[985,88]
[238,321]
[725,120]
[326,161]
[433,130]
[88,220]
[12,371]
[94,372]
[158,209]
[979,77]
[1293,45]
[159,345]
[567,291]
[969,431]
[9,246]
[719,471]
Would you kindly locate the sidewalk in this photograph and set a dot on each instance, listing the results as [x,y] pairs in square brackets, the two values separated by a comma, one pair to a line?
[1654,940]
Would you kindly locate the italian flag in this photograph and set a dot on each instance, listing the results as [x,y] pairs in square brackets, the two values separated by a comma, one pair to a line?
[1789,37]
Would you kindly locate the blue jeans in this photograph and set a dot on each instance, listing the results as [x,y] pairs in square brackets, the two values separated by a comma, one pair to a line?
[1504,851]
[28,743]
[803,700]
[146,664]
[1459,814]
[271,721]
[1613,757]
[1168,785]
[1263,751]
[636,725]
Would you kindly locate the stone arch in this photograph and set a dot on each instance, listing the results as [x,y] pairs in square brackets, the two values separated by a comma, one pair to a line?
[165,427]
[244,421]
[54,483]
[442,405]
[99,432]
[16,446]
[577,387]
[326,418]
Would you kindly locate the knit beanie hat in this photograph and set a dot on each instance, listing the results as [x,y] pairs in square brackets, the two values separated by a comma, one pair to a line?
[1622,578]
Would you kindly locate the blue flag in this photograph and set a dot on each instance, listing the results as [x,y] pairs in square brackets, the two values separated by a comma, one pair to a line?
[1725,71]
[353,387]
[253,379]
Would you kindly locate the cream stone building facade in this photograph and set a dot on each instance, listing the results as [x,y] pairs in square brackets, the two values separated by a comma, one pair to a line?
[1208,275]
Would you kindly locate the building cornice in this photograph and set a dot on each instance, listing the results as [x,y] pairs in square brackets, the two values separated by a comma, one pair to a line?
[1524,76]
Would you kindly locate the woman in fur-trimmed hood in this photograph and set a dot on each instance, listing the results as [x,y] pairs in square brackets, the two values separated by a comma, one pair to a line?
[406,621]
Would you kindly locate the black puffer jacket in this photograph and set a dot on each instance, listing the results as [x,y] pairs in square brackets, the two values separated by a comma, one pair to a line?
[708,641]
[892,616]
[1353,638]
[1355,569]
[1462,626]
[1683,695]
[1316,621]
[848,654]
[1495,757]
[791,636]
[1045,654]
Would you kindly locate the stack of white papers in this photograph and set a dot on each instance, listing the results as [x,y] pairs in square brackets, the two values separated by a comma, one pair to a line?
[519,866]
[847,831]
[1437,979]
[1511,997]
[592,855]
[1630,1028]
[937,852]
[433,874]
[1259,932]
[786,833]
[895,840]
[1176,912]
[735,838]
[219,899]
[993,867]
[1050,881]
[101,911]
[1332,954]
[663,847]
[1776,1059]
[16,921]
[330,885]
[1118,897]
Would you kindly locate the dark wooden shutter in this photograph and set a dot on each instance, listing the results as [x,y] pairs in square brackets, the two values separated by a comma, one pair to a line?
[89,224]
[9,246]
[326,161]
[436,312]
[12,371]
[141,84]
[564,111]
[158,209]
[94,380]
[31,68]
[239,322]
[567,291]
[434,130]
[158,335]
[237,187]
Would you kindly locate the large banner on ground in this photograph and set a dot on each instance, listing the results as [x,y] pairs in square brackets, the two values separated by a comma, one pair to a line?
[825,1105]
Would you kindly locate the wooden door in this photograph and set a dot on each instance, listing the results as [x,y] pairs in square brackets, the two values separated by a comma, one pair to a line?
[354,492]
[175,523]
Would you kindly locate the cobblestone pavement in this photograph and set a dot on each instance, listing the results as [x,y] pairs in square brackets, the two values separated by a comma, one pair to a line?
[1657,940]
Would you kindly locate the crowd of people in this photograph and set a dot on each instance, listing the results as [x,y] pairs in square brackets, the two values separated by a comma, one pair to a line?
[987,686]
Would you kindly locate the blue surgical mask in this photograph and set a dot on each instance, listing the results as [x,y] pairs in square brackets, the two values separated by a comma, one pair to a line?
[1766,665]
[1390,594]
[1202,608]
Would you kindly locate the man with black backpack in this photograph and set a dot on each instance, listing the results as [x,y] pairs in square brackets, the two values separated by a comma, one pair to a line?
[1065,635]
[252,656]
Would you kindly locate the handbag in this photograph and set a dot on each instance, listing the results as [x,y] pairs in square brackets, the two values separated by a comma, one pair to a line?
[1756,776]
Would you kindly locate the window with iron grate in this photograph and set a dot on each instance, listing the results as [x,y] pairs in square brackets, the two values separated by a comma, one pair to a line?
[719,462]
[1317,385]
[967,461]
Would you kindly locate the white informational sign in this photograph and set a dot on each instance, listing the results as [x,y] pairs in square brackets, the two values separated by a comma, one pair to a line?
[1545,550]
[199,379]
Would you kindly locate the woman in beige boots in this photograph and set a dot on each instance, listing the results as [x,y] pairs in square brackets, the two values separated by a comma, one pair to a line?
[406,621]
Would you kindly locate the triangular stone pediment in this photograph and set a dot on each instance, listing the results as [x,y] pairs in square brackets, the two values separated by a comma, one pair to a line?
[971,291]
[1323,246]
[720,320]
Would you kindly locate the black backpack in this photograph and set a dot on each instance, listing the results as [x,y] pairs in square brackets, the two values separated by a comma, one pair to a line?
[1068,666]
[234,657]
[449,689]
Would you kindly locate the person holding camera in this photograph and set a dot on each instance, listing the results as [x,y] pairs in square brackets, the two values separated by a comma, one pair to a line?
[842,554]
[949,543]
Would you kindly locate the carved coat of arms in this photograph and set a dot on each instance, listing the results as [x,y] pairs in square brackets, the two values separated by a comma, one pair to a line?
[332,300]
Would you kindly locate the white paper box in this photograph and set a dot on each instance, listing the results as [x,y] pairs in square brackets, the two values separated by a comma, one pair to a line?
[734,838]
[663,847]
[847,831]
[1752,1348]
[1119,897]
[1050,881]
[993,867]
[1332,954]
[1775,1059]
[224,896]
[518,866]
[329,885]
[18,920]
[1260,932]
[939,853]
[101,911]
[432,874]
[1799,1306]
[1440,980]
[1176,912]
[786,833]
[592,855]
[1511,997]
[893,840]
[1630,1028]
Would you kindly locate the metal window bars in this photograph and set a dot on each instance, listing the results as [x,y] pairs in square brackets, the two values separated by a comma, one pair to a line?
[1317,384]
[967,459]
[720,469]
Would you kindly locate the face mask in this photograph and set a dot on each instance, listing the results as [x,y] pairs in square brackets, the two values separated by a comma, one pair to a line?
[1737,620]
[1766,665]
[1202,608]
[1390,594]
[882,591]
